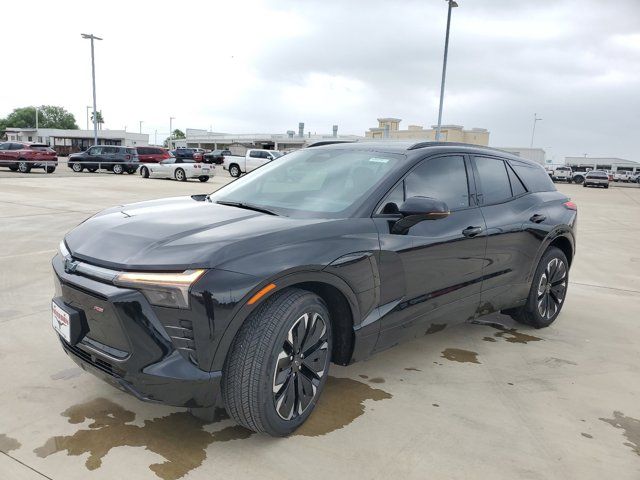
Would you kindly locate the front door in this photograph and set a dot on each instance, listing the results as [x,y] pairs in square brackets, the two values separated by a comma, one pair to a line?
[432,275]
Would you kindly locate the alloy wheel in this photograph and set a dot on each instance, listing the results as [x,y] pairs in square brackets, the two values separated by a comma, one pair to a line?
[234,171]
[552,288]
[117,168]
[179,175]
[76,167]
[23,167]
[300,366]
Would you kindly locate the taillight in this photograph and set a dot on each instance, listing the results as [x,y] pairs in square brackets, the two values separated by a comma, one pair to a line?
[196,166]
[570,205]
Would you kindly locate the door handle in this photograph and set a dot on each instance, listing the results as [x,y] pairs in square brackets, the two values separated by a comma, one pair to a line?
[538,218]
[471,231]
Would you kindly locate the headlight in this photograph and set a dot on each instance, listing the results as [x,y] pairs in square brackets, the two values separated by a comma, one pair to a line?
[64,251]
[162,289]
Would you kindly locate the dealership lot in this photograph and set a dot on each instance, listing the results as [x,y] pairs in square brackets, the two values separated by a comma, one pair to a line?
[476,401]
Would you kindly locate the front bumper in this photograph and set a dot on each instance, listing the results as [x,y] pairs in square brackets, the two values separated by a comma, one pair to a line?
[127,345]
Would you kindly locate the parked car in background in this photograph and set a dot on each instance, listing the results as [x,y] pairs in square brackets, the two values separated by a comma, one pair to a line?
[624,176]
[596,178]
[180,169]
[561,174]
[216,156]
[107,157]
[244,297]
[254,158]
[191,153]
[22,157]
[152,154]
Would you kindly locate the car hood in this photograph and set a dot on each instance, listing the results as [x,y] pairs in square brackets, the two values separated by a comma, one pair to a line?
[182,233]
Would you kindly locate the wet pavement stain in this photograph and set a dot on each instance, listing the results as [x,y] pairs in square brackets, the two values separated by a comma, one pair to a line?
[554,362]
[435,404]
[489,339]
[631,427]
[66,374]
[435,328]
[341,402]
[377,380]
[511,335]
[364,376]
[586,435]
[412,369]
[179,437]
[458,355]
[7,443]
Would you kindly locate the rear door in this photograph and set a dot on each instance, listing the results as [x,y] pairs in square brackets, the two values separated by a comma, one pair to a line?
[4,149]
[517,222]
[433,274]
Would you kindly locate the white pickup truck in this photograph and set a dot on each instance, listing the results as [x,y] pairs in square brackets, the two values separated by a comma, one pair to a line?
[254,158]
[561,174]
[623,176]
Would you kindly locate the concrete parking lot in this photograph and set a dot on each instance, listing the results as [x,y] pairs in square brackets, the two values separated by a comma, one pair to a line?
[493,401]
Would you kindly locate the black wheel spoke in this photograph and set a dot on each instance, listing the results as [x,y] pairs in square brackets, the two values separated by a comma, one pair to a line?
[316,360]
[286,399]
[558,292]
[559,273]
[306,392]
[316,329]
[298,332]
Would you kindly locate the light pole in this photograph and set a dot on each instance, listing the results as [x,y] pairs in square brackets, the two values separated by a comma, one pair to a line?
[140,122]
[171,119]
[88,108]
[536,119]
[36,121]
[452,4]
[92,37]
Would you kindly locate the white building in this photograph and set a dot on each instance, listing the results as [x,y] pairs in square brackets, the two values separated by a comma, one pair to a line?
[238,143]
[535,154]
[614,164]
[65,142]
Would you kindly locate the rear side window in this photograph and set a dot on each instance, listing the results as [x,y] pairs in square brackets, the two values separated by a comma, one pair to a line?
[517,188]
[535,178]
[443,178]
[494,180]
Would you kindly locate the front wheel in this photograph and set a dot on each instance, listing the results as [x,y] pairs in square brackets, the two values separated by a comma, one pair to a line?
[180,175]
[548,291]
[77,167]
[278,363]
[144,172]
[234,170]
[203,178]
[24,167]
[118,169]
[50,169]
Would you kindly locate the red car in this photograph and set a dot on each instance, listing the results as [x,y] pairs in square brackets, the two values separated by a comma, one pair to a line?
[23,157]
[152,154]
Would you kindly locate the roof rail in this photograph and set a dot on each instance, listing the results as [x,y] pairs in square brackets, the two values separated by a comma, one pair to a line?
[418,145]
[329,142]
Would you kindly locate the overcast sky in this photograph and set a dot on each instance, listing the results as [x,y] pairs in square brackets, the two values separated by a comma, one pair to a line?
[261,67]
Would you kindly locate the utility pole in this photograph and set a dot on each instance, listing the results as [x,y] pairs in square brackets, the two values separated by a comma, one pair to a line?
[171,119]
[140,121]
[92,37]
[36,121]
[452,4]
[88,108]
[536,119]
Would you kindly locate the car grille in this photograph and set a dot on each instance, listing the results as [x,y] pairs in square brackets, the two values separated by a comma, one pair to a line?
[94,360]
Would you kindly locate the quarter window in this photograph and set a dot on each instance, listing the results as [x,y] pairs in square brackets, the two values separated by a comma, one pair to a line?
[443,178]
[494,180]
[517,188]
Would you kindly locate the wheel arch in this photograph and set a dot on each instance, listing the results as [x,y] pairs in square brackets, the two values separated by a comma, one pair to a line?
[336,293]
[562,238]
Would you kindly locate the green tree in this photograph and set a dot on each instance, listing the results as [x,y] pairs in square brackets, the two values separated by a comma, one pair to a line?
[49,116]
[99,119]
[175,135]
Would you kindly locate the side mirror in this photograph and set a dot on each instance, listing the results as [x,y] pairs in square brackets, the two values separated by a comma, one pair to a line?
[418,209]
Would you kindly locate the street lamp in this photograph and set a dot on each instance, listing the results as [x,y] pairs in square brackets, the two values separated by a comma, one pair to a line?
[140,122]
[452,4]
[92,37]
[171,119]
[536,119]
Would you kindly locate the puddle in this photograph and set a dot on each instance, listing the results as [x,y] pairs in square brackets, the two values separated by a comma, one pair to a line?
[458,355]
[364,376]
[7,443]
[586,435]
[435,328]
[511,335]
[489,339]
[412,369]
[377,380]
[340,404]
[66,374]
[182,438]
[631,427]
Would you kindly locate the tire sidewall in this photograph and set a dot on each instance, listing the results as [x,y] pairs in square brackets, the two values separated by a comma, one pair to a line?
[273,423]
[144,172]
[532,302]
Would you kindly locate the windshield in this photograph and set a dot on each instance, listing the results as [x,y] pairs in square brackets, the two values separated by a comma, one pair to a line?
[312,181]
[276,154]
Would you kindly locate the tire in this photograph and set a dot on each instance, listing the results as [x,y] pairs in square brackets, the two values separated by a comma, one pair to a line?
[234,170]
[578,179]
[77,167]
[606,186]
[144,172]
[180,175]
[13,169]
[92,169]
[118,169]
[534,313]
[203,178]
[260,361]
[23,166]
[49,169]
[584,185]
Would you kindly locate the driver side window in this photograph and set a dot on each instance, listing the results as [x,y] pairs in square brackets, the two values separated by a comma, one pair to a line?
[442,178]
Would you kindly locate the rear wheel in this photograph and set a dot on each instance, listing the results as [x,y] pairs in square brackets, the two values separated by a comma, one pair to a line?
[77,167]
[180,175]
[578,179]
[203,178]
[118,169]
[278,363]
[548,291]
[50,169]
[234,170]
[144,172]
[23,166]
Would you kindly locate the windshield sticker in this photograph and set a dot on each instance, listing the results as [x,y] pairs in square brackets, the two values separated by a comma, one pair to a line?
[378,160]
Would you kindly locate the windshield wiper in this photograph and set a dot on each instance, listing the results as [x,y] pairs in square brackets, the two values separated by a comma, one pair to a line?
[247,206]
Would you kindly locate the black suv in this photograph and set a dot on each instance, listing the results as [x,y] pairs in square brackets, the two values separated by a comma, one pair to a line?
[330,254]
[216,156]
[113,158]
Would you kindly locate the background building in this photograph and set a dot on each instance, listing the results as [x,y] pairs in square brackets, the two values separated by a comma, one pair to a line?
[584,163]
[65,142]
[535,154]
[238,143]
[389,128]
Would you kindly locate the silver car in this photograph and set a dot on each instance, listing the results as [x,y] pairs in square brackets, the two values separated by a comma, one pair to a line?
[596,178]
[180,169]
